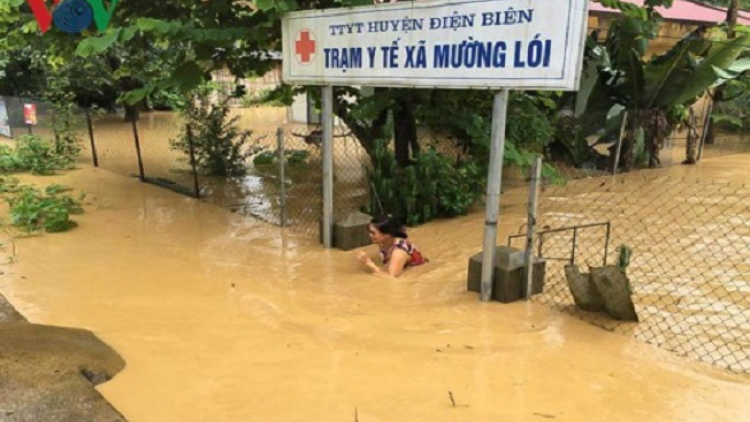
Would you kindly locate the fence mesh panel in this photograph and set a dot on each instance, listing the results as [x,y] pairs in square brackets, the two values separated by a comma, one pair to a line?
[689,271]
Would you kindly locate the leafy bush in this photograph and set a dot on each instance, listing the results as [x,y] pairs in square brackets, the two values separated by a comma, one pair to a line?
[65,117]
[39,155]
[8,184]
[733,113]
[624,253]
[9,161]
[32,209]
[166,100]
[35,154]
[475,131]
[268,97]
[574,145]
[292,156]
[217,140]
[432,187]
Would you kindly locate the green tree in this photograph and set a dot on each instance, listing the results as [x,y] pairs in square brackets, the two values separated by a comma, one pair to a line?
[30,61]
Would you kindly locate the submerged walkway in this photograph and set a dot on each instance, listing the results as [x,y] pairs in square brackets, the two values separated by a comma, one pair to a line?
[222,318]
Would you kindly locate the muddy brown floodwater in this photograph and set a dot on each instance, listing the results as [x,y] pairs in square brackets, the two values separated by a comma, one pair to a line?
[220,317]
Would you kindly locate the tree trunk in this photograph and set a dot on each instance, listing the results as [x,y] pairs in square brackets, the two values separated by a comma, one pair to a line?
[732,13]
[404,122]
[655,131]
[405,132]
[627,152]
[366,133]
[691,147]
[718,96]
[132,112]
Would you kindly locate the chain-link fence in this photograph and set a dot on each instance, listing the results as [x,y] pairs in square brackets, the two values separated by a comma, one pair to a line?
[144,149]
[291,153]
[683,245]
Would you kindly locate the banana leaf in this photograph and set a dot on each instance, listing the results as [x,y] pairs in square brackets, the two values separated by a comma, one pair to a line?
[734,71]
[677,64]
[690,76]
[594,100]
[627,44]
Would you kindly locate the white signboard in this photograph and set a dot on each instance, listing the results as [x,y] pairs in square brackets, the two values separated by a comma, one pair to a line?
[4,122]
[511,44]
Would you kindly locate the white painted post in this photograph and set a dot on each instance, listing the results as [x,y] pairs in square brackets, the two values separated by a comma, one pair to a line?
[327,123]
[282,176]
[494,183]
[536,175]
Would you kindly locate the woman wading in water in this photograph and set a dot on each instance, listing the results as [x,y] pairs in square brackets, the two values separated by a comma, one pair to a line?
[396,251]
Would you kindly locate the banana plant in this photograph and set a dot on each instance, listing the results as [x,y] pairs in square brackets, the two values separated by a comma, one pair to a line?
[652,90]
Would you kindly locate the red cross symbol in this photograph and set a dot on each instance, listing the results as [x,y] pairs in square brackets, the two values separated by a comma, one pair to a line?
[304,46]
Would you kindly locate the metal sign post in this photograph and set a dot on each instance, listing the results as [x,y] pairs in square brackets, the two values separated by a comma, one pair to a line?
[490,44]
[494,183]
[327,123]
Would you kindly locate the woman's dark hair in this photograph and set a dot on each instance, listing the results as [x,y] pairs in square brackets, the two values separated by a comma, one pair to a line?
[389,225]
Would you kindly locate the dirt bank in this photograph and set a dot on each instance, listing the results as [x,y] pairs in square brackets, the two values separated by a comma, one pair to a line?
[49,373]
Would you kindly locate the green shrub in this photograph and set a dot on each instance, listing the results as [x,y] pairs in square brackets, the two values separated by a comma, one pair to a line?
[266,97]
[32,209]
[433,186]
[292,156]
[624,253]
[64,116]
[265,158]
[39,155]
[166,99]
[8,184]
[9,161]
[218,142]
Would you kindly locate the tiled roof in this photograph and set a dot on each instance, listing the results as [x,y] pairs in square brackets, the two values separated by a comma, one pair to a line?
[683,10]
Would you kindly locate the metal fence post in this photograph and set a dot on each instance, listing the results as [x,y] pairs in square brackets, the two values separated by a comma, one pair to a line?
[141,174]
[575,245]
[193,166]
[536,173]
[606,242]
[541,244]
[90,125]
[282,176]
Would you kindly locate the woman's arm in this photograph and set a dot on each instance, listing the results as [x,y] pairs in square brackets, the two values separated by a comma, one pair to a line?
[396,265]
[399,259]
[365,259]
